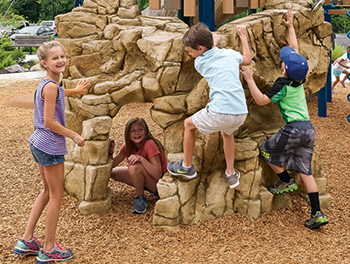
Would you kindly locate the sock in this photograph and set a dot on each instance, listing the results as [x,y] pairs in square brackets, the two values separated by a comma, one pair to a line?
[227,175]
[314,202]
[284,176]
[184,167]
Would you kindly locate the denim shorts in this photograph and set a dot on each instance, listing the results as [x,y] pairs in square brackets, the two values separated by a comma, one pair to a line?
[45,159]
[207,121]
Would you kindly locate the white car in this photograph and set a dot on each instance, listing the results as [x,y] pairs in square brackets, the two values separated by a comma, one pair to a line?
[48,23]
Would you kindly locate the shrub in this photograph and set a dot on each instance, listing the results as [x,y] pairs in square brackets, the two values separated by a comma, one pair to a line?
[337,51]
[9,55]
[6,61]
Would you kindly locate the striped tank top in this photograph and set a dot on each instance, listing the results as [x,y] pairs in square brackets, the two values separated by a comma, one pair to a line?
[43,138]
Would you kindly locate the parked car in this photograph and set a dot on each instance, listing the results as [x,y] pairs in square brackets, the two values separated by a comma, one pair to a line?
[48,23]
[5,30]
[8,29]
[33,30]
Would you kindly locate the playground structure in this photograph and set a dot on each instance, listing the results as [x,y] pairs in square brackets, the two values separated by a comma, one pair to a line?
[331,7]
[132,58]
[210,12]
[78,3]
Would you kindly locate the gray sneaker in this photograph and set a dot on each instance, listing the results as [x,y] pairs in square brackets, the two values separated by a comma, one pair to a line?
[233,179]
[317,5]
[140,205]
[176,169]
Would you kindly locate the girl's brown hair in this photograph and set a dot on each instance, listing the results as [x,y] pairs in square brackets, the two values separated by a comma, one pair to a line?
[129,145]
[44,48]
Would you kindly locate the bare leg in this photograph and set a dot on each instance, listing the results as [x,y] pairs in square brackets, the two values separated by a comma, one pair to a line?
[121,174]
[54,176]
[337,79]
[189,141]
[38,207]
[229,150]
[310,183]
[141,178]
[345,78]
[275,168]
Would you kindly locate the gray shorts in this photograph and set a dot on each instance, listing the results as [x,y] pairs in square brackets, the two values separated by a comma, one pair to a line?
[207,121]
[292,145]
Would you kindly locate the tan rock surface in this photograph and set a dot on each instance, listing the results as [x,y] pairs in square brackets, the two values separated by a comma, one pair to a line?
[122,237]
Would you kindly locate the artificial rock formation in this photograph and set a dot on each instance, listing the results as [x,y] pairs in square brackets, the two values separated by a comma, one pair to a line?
[132,58]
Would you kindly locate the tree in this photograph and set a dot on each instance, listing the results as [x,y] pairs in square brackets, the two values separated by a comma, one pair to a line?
[30,9]
[60,7]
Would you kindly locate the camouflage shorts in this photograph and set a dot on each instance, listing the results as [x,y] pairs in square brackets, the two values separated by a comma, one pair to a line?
[292,146]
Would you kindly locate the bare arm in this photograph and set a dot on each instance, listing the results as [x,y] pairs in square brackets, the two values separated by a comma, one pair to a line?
[260,98]
[216,39]
[79,89]
[242,33]
[118,159]
[293,42]
[49,95]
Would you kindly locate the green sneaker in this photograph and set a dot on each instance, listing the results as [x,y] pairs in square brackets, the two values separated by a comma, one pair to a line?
[317,220]
[283,187]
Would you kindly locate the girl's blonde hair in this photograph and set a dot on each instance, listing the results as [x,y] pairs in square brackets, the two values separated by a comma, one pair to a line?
[129,145]
[44,48]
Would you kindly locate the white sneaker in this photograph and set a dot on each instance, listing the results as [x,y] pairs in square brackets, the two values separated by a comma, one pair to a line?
[233,179]
[317,5]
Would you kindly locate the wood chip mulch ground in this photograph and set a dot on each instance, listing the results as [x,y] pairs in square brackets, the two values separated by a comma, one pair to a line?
[122,237]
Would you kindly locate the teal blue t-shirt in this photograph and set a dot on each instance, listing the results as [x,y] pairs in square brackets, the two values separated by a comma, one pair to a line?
[220,67]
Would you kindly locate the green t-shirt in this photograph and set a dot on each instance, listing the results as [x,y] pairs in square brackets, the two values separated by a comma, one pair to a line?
[290,99]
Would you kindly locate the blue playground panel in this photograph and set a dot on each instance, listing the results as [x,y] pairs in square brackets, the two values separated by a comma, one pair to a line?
[78,2]
[206,13]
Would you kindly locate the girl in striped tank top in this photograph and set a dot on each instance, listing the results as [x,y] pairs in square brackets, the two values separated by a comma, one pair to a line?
[48,147]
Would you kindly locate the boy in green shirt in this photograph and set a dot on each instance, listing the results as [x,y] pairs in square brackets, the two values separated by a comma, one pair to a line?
[293,144]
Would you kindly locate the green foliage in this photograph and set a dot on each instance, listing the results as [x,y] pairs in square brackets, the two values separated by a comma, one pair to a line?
[337,51]
[6,60]
[5,42]
[143,4]
[59,7]
[10,22]
[9,55]
[30,9]
[37,10]
[340,24]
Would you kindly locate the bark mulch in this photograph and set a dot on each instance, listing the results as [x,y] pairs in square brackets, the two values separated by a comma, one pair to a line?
[122,237]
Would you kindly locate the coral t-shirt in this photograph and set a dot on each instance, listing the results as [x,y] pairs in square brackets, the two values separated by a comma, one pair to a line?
[149,150]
